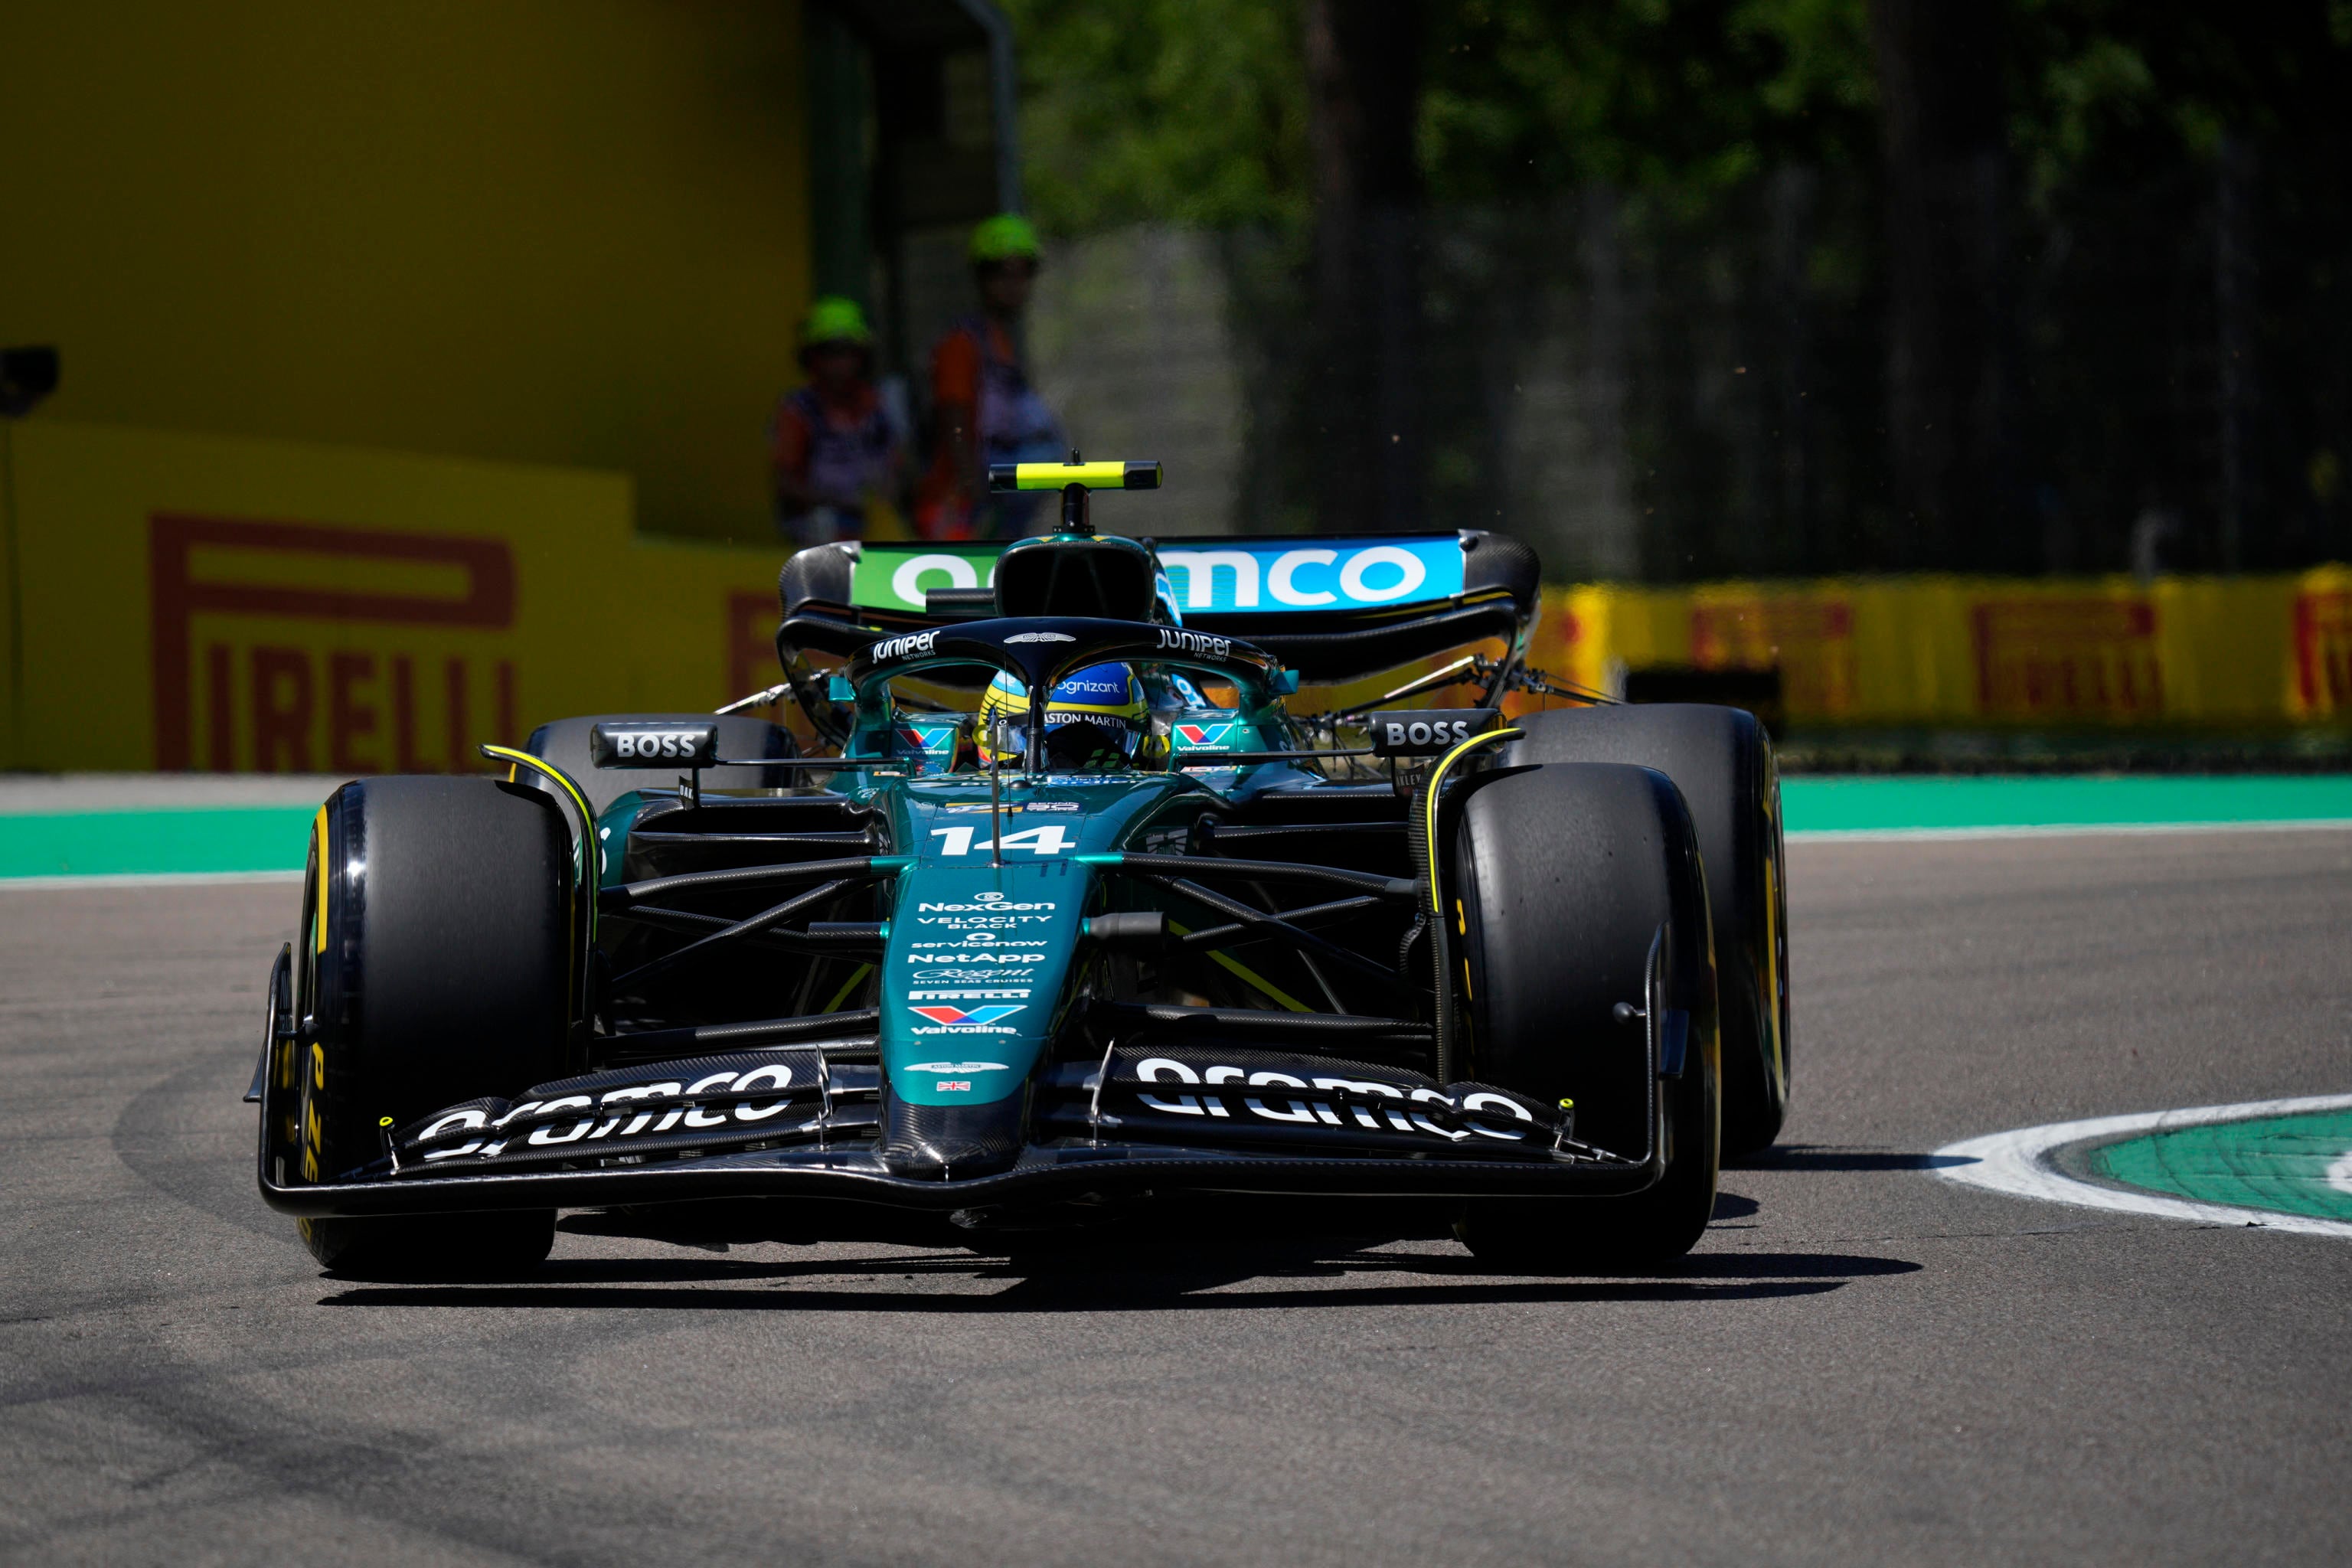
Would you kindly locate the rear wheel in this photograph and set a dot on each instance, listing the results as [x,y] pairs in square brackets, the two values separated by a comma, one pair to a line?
[1580,890]
[1721,761]
[435,967]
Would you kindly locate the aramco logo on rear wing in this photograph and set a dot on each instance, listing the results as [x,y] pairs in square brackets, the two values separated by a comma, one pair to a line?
[288,646]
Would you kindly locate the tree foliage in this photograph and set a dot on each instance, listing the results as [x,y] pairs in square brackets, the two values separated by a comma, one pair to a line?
[1683,98]
[1193,111]
[1187,112]
[2132,234]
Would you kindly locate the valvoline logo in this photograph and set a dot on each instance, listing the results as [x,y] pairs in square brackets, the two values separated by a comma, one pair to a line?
[1203,735]
[926,740]
[973,1017]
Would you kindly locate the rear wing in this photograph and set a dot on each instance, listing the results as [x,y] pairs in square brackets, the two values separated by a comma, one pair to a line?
[1338,608]
[1330,608]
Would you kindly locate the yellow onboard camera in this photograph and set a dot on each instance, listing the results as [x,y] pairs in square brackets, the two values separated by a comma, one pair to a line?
[1076,479]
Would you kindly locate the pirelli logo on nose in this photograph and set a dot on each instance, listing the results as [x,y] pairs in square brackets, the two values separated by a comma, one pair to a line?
[642,744]
[1428,732]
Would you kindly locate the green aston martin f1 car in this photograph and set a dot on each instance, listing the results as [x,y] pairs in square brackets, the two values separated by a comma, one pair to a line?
[1116,866]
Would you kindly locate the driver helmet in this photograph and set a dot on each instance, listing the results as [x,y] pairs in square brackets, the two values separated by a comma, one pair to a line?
[1095,717]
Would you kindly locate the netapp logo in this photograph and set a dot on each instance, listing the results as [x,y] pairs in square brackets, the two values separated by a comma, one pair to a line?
[900,647]
[1199,643]
[1361,1099]
[976,958]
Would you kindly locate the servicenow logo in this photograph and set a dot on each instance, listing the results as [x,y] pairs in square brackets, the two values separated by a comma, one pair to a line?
[1340,575]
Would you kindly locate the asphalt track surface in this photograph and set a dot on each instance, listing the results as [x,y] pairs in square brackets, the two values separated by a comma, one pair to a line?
[1863,1362]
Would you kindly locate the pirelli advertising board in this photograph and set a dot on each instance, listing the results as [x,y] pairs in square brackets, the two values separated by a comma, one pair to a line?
[184,601]
[233,605]
[2245,652]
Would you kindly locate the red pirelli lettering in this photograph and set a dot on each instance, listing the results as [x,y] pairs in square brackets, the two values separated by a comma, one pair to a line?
[283,689]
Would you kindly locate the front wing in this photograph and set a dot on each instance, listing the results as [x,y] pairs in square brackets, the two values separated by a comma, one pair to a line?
[801,1120]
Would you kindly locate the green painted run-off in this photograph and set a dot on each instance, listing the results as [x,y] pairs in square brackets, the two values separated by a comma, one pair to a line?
[274,837]
[1884,805]
[2278,1162]
[145,843]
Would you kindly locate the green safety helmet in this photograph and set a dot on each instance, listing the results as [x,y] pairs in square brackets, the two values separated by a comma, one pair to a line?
[1003,238]
[835,318]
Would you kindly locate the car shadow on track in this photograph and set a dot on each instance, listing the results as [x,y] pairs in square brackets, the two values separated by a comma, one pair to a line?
[1207,1258]
[1829,1157]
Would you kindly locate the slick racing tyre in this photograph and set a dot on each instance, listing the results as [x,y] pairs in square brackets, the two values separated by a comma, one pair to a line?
[434,967]
[564,743]
[1721,760]
[1580,890]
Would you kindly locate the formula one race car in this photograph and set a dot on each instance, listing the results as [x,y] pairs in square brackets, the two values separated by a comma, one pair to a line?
[1064,895]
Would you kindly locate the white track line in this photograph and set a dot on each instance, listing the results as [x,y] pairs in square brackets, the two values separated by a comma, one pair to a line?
[147,879]
[2018,1163]
[2053,830]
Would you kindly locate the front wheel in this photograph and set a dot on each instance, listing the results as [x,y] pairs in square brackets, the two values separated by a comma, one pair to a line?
[1580,889]
[1722,762]
[434,967]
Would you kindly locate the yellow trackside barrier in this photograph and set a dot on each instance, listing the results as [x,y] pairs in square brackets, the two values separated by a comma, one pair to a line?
[2226,652]
[221,604]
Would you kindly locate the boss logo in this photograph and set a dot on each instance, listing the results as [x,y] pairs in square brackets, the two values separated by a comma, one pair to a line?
[1199,644]
[643,745]
[902,647]
[1426,732]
